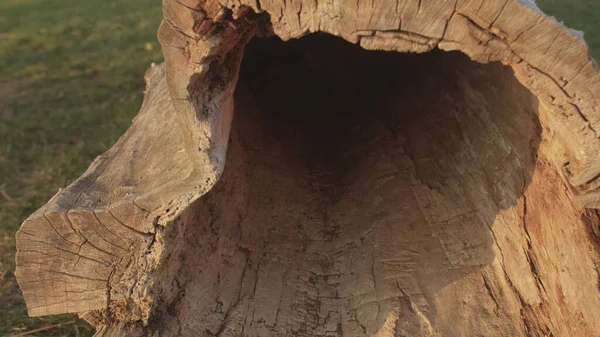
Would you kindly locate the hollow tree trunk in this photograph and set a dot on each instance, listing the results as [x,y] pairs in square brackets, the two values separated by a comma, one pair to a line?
[326,186]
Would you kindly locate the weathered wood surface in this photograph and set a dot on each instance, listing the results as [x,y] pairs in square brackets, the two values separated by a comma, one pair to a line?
[424,195]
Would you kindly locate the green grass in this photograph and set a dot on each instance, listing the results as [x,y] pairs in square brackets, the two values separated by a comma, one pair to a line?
[71,80]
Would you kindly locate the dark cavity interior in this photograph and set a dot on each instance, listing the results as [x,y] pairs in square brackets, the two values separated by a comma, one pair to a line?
[354,179]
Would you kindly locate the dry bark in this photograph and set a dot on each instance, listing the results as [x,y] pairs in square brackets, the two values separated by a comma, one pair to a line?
[322,187]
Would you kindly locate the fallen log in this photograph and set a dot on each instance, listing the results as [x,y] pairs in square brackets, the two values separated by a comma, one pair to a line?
[411,168]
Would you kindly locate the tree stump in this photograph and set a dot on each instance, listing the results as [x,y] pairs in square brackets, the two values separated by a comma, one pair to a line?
[413,168]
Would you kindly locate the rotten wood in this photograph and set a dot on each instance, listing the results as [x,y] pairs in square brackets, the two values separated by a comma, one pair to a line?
[385,185]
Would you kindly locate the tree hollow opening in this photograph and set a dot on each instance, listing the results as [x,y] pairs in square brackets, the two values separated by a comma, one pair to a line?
[357,185]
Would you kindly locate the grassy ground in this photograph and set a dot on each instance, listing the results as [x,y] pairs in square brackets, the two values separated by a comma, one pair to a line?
[71,79]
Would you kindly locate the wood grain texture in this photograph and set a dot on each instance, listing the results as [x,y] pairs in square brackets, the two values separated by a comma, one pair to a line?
[451,213]
[92,235]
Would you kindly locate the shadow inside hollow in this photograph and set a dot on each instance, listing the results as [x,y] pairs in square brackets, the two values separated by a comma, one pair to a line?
[358,184]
